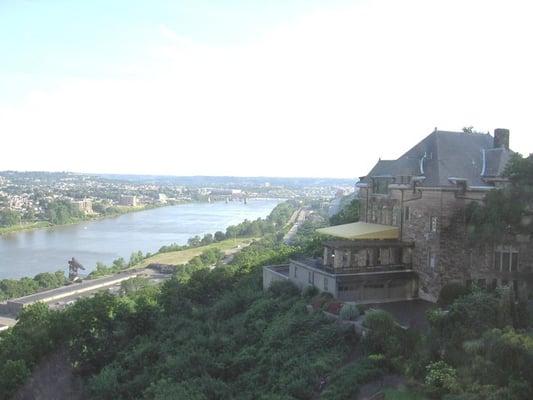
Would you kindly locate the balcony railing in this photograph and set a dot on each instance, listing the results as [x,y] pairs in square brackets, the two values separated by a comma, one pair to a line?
[317,263]
[365,269]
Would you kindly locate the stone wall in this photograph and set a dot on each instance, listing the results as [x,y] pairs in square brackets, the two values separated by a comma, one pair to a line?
[442,255]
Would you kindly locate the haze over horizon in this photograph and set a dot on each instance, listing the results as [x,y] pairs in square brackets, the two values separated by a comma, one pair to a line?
[291,88]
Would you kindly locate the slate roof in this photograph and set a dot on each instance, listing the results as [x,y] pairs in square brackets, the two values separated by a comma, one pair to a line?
[443,155]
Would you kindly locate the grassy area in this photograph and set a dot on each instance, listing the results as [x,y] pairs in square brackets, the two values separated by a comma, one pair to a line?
[403,394]
[24,227]
[183,256]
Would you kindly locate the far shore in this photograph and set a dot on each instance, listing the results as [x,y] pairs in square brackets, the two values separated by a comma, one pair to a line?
[46,224]
[126,210]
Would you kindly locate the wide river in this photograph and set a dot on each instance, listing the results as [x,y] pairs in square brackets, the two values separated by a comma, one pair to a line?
[44,250]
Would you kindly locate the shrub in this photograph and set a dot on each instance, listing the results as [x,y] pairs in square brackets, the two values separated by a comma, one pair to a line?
[345,382]
[349,312]
[12,375]
[384,336]
[309,292]
[451,292]
[441,378]
[362,308]
[334,307]
[319,303]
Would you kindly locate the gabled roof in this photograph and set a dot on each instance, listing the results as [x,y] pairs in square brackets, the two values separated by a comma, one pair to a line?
[443,155]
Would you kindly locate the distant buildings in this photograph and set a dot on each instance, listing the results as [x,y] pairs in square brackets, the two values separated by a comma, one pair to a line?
[85,206]
[162,198]
[130,201]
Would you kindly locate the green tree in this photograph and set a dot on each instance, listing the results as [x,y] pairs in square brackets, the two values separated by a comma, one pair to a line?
[219,236]
[12,375]
[349,213]
[9,217]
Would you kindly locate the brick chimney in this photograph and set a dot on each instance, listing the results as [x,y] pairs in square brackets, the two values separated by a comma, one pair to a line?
[501,138]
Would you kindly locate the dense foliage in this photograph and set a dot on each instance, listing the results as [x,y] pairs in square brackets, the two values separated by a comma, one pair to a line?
[348,213]
[9,217]
[210,334]
[11,288]
[60,212]
[506,211]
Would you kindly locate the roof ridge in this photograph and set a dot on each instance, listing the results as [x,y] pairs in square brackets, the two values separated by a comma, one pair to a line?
[463,133]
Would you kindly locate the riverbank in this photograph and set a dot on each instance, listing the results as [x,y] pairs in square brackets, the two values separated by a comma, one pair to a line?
[121,210]
[25,227]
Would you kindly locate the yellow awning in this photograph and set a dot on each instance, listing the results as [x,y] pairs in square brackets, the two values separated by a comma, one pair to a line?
[361,230]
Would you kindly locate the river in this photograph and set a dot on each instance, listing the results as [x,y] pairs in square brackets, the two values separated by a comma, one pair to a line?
[46,250]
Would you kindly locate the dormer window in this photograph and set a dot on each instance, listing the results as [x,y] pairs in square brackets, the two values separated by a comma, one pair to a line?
[380,185]
[403,180]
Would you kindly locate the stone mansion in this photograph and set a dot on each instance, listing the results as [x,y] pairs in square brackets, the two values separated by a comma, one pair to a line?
[411,239]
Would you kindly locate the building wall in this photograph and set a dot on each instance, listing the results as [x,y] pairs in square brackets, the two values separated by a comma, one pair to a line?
[354,287]
[270,275]
[442,255]
[130,201]
[377,289]
[304,276]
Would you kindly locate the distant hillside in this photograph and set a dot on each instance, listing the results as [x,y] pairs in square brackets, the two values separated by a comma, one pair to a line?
[230,181]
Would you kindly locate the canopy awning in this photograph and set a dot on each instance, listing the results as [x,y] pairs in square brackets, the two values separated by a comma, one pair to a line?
[361,230]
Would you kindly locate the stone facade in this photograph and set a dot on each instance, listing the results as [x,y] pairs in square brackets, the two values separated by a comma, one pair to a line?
[434,219]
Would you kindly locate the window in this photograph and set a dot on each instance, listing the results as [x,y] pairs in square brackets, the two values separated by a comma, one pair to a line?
[394,216]
[325,284]
[403,180]
[506,259]
[515,289]
[514,262]
[377,255]
[433,223]
[310,277]
[432,260]
[296,272]
[381,185]
[407,214]
[497,260]
[344,259]
[374,285]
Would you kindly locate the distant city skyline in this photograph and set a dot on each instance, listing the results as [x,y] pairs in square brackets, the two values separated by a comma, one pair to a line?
[289,88]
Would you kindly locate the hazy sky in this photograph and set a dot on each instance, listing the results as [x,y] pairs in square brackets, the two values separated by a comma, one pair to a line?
[277,87]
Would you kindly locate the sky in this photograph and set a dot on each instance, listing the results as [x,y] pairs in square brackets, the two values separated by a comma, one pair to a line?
[319,88]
